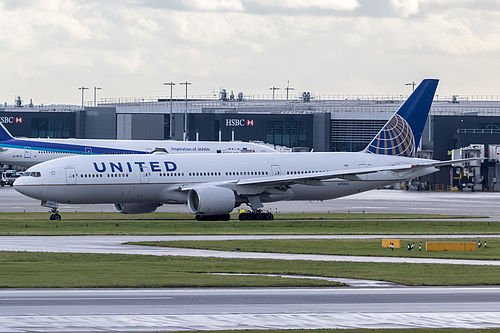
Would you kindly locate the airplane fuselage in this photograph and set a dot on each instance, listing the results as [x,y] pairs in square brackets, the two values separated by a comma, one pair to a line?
[28,152]
[161,178]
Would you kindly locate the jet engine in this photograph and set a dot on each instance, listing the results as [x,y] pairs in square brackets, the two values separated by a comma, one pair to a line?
[136,208]
[211,200]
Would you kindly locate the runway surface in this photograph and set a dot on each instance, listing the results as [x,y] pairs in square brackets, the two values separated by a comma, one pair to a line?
[132,310]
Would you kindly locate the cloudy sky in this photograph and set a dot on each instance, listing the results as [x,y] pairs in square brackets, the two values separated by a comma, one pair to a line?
[49,48]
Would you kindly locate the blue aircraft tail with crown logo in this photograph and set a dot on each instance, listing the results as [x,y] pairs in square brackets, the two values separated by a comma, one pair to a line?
[401,134]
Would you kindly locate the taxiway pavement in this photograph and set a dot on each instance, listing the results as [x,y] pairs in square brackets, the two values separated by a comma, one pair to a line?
[114,244]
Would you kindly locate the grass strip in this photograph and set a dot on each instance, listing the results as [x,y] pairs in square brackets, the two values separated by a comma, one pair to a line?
[183,224]
[68,270]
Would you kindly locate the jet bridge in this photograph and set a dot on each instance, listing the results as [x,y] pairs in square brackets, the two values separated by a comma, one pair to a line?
[468,176]
[494,167]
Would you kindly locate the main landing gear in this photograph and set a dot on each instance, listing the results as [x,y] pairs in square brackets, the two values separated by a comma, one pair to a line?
[255,213]
[258,215]
[249,216]
[220,217]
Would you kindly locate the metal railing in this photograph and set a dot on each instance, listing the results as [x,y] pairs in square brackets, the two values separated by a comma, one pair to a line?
[478,131]
[42,108]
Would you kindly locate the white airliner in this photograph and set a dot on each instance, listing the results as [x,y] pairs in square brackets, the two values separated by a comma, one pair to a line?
[212,186]
[28,152]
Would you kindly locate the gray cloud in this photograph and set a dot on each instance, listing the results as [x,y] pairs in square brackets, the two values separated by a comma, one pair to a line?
[131,47]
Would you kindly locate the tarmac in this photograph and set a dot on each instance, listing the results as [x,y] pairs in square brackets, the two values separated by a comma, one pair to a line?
[375,201]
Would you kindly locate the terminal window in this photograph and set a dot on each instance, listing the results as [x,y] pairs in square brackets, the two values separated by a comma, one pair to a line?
[353,135]
[50,128]
[490,127]
[290,133]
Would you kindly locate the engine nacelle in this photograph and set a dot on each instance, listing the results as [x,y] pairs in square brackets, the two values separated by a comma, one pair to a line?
[136,208]
[211,200]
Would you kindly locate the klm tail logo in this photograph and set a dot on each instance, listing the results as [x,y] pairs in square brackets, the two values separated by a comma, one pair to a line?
[396,138]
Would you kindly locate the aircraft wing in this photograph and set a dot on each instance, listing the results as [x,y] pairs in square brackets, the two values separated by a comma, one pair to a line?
[348,174]
[315,179]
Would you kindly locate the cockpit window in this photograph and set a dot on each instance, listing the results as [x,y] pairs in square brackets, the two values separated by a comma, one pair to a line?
[32,174]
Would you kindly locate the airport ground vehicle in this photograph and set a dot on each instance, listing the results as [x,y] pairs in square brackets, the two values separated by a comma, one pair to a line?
[8,177]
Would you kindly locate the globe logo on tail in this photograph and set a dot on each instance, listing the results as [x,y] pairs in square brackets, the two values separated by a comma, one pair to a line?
[396,138]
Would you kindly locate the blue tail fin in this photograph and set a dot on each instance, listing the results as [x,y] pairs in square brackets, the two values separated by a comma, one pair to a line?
[4,134]
[401,134]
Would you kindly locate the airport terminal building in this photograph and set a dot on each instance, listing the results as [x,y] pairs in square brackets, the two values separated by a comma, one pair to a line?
[304,122]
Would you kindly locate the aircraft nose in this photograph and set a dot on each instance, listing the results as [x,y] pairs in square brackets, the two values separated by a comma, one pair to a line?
[19,185]
[19,181]
[24,185]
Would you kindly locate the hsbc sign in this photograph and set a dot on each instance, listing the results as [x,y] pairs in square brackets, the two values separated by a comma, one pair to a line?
[11,120]
[239,122]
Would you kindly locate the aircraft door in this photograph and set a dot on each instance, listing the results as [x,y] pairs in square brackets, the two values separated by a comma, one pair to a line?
[88,150]
[275,170]
[144,175]
[70,176]
[27,152]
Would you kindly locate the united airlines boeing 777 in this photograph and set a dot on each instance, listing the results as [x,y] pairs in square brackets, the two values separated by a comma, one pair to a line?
[212,186]
[28,152]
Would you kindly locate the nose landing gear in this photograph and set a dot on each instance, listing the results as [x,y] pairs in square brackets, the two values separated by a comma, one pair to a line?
[55,216]
[53,208]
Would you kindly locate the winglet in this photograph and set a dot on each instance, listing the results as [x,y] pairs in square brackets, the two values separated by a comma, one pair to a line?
[401,134]
[4,133]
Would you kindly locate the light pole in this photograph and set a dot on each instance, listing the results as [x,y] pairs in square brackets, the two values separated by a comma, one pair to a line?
[95,90]
[82,88]
[288,89]
[171,84]
[273,89]
[412,84]
[186,137]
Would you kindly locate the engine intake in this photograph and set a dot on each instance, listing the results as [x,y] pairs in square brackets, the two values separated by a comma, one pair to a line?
[211,200]
[136,208]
